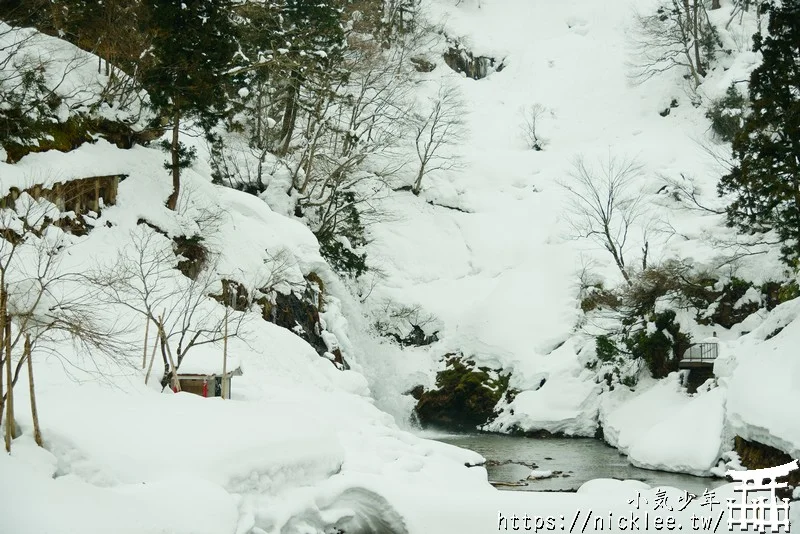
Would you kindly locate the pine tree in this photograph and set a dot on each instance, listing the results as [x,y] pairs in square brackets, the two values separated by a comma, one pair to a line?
[765,179]
[289,47]
[192,48]
[314,34]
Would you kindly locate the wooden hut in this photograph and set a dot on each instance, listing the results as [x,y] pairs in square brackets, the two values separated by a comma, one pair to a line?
[201,373]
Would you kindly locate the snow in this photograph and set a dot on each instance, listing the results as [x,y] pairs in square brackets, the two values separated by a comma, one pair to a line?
[663,428]
[565,405]
[302,446]
[688,440]
[753,411]
[207,360]
[540,473]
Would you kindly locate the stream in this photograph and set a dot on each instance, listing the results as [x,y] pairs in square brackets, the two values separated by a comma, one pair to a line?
[510,459]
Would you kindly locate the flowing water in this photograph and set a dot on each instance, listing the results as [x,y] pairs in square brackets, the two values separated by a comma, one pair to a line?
[510,460]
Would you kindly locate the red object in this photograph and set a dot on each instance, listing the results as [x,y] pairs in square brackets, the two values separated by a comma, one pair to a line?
[205,387]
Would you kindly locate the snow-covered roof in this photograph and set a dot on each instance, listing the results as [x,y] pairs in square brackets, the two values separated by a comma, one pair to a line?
[207,360]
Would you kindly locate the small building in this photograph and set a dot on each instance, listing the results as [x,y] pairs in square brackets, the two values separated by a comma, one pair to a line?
[201,373]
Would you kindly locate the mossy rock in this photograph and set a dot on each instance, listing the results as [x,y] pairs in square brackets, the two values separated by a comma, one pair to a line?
[465,397]
[63,136]
[74,132]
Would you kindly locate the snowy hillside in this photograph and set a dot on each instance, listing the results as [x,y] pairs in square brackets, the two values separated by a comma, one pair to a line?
[491,254]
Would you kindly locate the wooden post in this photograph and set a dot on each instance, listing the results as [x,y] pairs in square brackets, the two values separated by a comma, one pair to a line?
[11,425]
[225,382]
[97,195]
[146,337]
[152,358]
[37,432]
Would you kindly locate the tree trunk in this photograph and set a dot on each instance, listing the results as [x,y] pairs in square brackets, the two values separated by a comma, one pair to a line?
[176,384]
[417,187]
[146,338]
[696,35]
[152,359]
[37,432]
[290,112]
[175,151]
[715,4]
[11,425]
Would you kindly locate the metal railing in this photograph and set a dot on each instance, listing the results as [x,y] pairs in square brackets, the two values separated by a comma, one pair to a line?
[700,352]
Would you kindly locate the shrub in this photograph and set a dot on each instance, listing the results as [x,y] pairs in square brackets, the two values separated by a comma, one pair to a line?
[597,298]
[341,236]
[662,347]
[605,349]
[727,114]
[775,293]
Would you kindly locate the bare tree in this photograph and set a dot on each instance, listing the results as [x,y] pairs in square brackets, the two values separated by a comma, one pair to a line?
[442,126]
[679,34]
[686,191]
[144,280]
[42,304]
[605,206]
[531,121]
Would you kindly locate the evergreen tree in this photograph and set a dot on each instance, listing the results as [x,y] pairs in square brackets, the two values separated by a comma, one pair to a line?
[765,180]
[289,47]
[314,35]
[192,47]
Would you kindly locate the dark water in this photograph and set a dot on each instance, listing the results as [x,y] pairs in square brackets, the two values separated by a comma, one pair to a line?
[579,460]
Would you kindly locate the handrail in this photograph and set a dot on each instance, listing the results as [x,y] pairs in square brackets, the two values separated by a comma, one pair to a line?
[699,352]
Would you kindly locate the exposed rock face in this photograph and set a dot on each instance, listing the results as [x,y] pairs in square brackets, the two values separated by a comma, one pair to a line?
[697,377]
[234,294]
[300,314]
[422,65]
[193,254]
[416,338]
[755,455]
[461,60]
[301,317]
[465,397]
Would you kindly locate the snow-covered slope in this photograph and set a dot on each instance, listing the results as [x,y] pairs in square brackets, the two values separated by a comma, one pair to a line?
[501,271]
[295,431]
